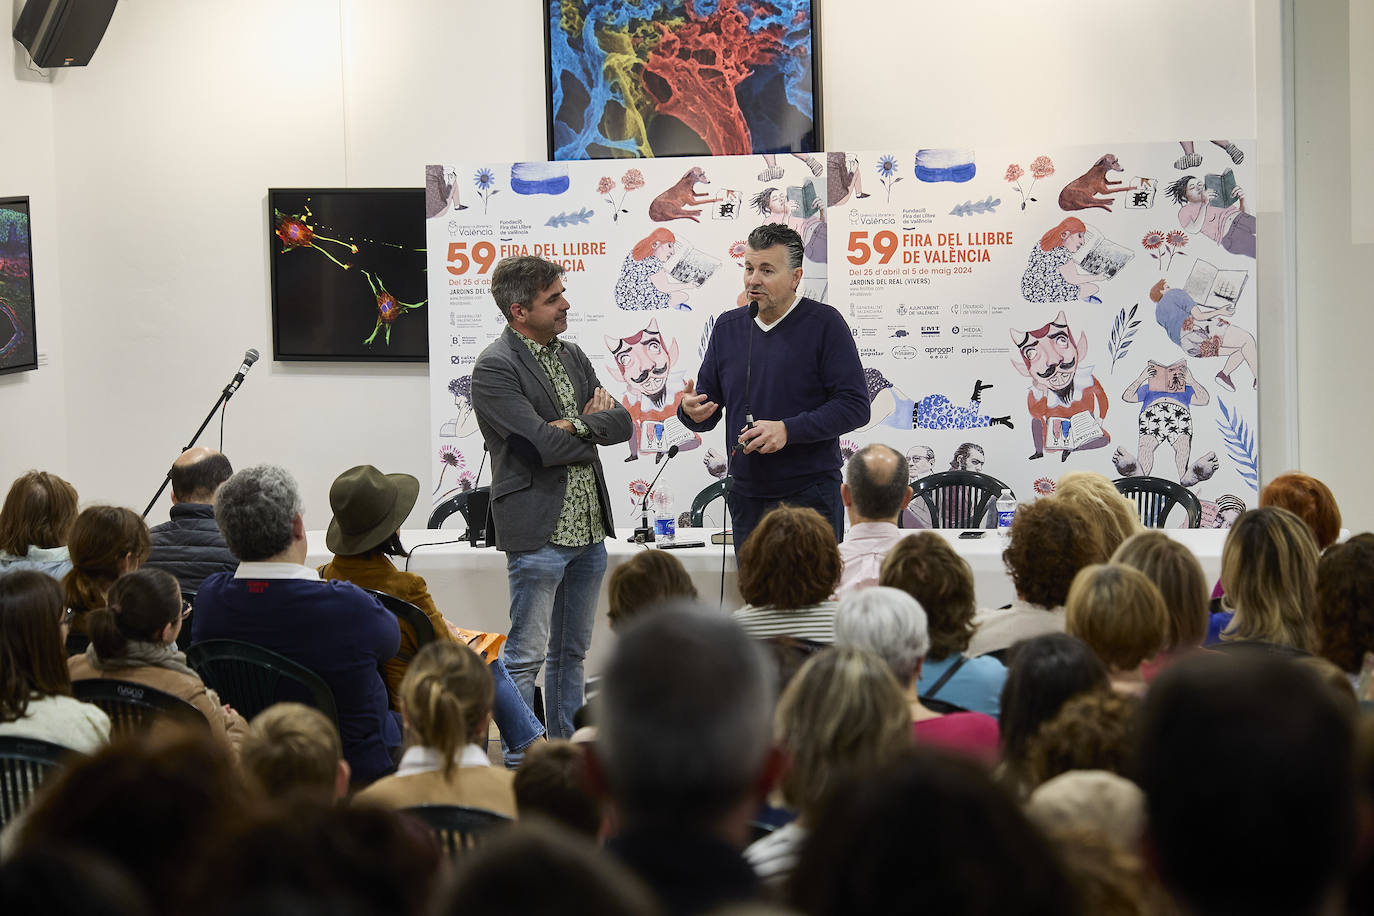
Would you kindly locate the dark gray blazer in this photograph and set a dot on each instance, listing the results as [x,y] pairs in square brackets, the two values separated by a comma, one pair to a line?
[514,402]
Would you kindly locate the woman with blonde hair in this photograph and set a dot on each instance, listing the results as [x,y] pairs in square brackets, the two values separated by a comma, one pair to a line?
[35,522]
[843,714]
[1269,575]
[1112,515]
[1117,611]
[1178,575]
[106,542]
[446,706]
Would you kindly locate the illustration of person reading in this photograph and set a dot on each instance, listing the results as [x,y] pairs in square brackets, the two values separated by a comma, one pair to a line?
[1205,332]
[1051,274]
[644,364]
[1227,222]
[889,406]
[645,283]
[1166,395]
[1066,402]
[465,424]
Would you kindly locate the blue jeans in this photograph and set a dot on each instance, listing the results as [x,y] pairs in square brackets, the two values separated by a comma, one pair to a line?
[518,724]
[553,592]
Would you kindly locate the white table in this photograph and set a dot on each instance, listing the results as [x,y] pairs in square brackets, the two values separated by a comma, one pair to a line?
[469,584]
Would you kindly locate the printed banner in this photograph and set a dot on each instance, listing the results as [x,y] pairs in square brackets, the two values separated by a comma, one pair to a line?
[1019,312]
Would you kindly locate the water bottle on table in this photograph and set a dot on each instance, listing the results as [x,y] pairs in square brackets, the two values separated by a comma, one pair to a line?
[1006,510]
[665,522]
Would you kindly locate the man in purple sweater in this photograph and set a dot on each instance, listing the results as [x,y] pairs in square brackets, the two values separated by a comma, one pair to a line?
[789,375]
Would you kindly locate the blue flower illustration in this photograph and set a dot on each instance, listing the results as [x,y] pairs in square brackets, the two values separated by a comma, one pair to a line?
[484,178]
[887,166]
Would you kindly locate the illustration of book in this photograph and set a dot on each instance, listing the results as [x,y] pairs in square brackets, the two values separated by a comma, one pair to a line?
[691,265]
[1072,432]
[1100,255]
[728,206]
[1143,197]
[805,199]
[1224,185]
[1213,288]
[661,435]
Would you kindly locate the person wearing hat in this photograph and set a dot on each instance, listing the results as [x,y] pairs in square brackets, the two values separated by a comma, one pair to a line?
[369,508]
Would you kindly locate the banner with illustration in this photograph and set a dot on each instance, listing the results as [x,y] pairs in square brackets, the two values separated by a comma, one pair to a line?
[1020,312]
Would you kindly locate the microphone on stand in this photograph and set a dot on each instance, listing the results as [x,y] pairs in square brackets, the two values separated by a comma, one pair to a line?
[644,534]
[249,358]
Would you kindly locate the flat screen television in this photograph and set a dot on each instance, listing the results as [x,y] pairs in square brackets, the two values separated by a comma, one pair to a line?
[348,274]
[18,345]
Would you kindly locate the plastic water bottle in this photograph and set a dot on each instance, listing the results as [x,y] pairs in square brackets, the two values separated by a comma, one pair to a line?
[665,522]
[1006,511]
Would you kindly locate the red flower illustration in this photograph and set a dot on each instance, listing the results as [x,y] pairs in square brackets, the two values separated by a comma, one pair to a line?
[605,185]
[632,179]
[1042,167]
[1014,172]
[1153,239]
[1177,238]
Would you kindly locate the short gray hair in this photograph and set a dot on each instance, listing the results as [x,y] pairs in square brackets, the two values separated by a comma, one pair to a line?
[255,509]
[888,622]
[685,716]
[875,498]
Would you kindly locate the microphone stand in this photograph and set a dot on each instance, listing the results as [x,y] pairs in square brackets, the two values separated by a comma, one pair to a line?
[730,458]
[644,534]
[224,397]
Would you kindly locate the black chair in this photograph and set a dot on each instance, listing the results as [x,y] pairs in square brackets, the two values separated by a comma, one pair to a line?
[24,764]
[1156,497]
[418,620]
[454,505]
[251,678]
[458,827]
[76,644]
[709,494]
[134,707]
[958,499]
[184,636]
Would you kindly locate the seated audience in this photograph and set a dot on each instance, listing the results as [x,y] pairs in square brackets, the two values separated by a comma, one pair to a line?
[60,882]
[311,857]
[843,714]
[273,600]
[1178,575]
[364,533]
[189,545]
[1344,612]
[133,638]
[874,492]
[1097,800]
[1269,575]
[292,749]
[1117,610]
[643,581]
[929,834]
[35,523]
[1112,516]
[889,623]
[1042,675]
[1310,500]
[1092,731]
[446,704]
[928,569]
[1254,756]
[1050,542]
[35,688]
[685,753]
[153,805]
[1110,879]
[553,783]
[550,871]
[106,542]
[788,569]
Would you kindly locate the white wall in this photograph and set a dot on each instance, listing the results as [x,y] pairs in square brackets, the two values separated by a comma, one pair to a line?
[190,111]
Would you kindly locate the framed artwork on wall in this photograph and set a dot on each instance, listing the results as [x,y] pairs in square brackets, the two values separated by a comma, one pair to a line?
[18,344]
[348,271]
[681,77]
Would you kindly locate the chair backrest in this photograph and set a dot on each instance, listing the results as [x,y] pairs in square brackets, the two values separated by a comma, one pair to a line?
[458,827]
[710,493]
[133,707]
[251,678]
[24,764]
[1156,497]
[417,619]
[184,634]
[455,504]
[958,499]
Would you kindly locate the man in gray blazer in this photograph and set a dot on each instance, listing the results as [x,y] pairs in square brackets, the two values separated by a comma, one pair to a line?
[542,413]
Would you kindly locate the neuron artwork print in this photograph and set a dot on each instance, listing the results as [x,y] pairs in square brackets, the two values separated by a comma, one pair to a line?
[371,268]
[675,77]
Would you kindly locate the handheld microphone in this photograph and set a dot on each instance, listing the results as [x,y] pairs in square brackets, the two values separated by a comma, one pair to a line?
[748,372]
[249,358]
[644,534]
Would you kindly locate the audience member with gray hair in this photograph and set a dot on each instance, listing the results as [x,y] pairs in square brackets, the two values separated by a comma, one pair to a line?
[685,753]
[892,625]
[874,492]
[275,601]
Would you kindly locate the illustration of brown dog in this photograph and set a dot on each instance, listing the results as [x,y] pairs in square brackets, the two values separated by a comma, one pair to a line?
[674,202]
[1081,193]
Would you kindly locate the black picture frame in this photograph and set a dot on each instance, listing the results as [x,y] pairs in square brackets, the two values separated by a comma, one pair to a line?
[775,125]
[18,331]
[335,254]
